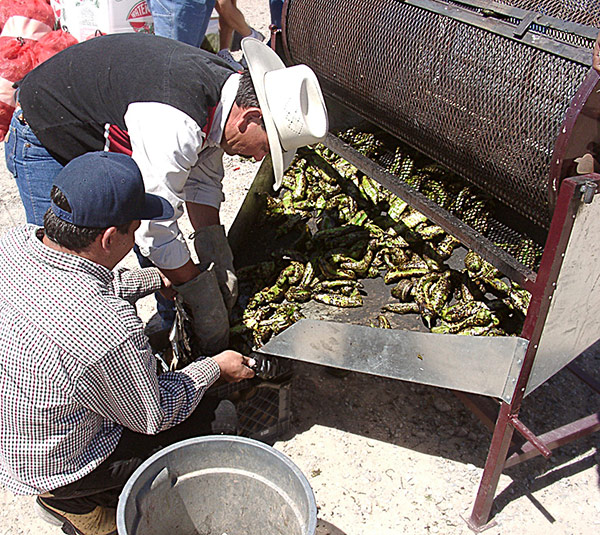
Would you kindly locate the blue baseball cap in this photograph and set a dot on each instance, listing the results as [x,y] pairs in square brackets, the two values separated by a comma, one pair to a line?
[105,189]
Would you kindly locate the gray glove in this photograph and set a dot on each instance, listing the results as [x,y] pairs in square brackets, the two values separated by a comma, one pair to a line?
[210,320]
[212,247]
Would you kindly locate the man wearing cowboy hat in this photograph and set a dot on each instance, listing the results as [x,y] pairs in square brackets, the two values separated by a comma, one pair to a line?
[175,109]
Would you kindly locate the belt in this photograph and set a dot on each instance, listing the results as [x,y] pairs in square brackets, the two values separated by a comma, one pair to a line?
[20,116]
[21,119]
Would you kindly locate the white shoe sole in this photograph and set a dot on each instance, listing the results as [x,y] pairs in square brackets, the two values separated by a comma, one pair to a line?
[46,516]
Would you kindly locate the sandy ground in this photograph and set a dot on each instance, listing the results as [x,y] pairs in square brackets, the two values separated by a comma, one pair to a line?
[386,457]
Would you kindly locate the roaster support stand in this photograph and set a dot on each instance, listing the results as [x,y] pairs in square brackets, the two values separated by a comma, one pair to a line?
[569,269]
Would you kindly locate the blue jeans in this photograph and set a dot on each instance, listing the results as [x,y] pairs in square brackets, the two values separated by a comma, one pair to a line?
[276,7]
[32,166]
[182,20]
[164,307]
[34,170]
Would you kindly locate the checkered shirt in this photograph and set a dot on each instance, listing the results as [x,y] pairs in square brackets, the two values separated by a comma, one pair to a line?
[75,365]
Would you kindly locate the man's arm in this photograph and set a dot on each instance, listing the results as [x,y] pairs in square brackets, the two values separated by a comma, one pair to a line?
[133,284]
[172,168]
[165,145]
[123,386]
[183,274]
[202,215]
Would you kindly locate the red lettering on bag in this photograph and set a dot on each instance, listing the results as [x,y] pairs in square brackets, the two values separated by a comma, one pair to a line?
[140,18]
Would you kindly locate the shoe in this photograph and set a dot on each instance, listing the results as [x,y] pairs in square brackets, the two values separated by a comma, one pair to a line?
[257,35]
[226,56]
[46,516]
[236,42]
[100,521]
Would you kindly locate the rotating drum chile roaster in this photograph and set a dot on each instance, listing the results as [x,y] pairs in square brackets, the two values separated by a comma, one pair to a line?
[503,95]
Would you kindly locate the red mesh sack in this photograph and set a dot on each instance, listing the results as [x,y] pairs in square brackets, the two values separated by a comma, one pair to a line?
[97,33]
[30,19]
[52,43]
[16,60]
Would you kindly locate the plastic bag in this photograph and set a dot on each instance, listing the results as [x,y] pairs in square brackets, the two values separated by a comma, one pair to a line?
[56,8]
[17,58]
[52,43]
[30,19]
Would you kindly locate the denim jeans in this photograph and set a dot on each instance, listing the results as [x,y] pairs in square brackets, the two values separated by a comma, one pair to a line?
[276,7]
[32,166]
[164,307]
[34,170]
[182,20]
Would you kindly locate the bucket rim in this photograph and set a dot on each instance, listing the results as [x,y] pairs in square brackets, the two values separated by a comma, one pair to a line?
[126,491]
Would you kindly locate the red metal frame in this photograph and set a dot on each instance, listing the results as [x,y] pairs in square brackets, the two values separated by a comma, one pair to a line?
[507,421]
[571,140]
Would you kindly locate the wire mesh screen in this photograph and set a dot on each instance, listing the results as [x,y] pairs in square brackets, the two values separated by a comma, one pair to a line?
[487,107]
[266,414]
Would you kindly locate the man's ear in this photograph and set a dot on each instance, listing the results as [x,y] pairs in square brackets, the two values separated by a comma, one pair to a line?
[248,116]
[107,238]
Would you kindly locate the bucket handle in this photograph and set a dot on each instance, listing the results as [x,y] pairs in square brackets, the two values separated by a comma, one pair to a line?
[163,477]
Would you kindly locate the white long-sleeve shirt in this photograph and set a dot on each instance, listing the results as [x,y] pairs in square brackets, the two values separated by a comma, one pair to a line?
[180,164]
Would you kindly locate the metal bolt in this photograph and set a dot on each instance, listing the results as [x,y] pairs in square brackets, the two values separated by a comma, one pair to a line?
[588,190]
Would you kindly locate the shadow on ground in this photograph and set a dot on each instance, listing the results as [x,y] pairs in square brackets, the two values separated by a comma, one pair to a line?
[326,528]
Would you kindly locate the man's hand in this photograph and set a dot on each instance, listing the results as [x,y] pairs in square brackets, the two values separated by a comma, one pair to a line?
[167,290]
[596,55]
[234,366]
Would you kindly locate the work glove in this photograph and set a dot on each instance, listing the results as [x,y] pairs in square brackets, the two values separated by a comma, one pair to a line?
[212,247]
[210,320]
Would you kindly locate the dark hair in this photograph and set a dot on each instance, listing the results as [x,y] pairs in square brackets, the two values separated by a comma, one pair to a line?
[66,234]
[246,94]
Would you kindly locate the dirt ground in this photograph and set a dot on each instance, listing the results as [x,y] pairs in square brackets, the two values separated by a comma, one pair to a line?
[387,457]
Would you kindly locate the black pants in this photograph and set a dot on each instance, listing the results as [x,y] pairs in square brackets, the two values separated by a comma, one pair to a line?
[103,485]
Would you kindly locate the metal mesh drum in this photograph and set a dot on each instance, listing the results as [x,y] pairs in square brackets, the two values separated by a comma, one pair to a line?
[481,87]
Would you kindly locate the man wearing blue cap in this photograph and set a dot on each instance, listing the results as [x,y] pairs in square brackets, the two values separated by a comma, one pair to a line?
[81,404]
[176,110]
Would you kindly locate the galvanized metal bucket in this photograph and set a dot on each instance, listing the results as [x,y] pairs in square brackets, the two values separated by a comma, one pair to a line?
[217,485]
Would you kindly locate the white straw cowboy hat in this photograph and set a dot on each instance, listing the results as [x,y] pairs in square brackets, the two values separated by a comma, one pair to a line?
[292,105]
